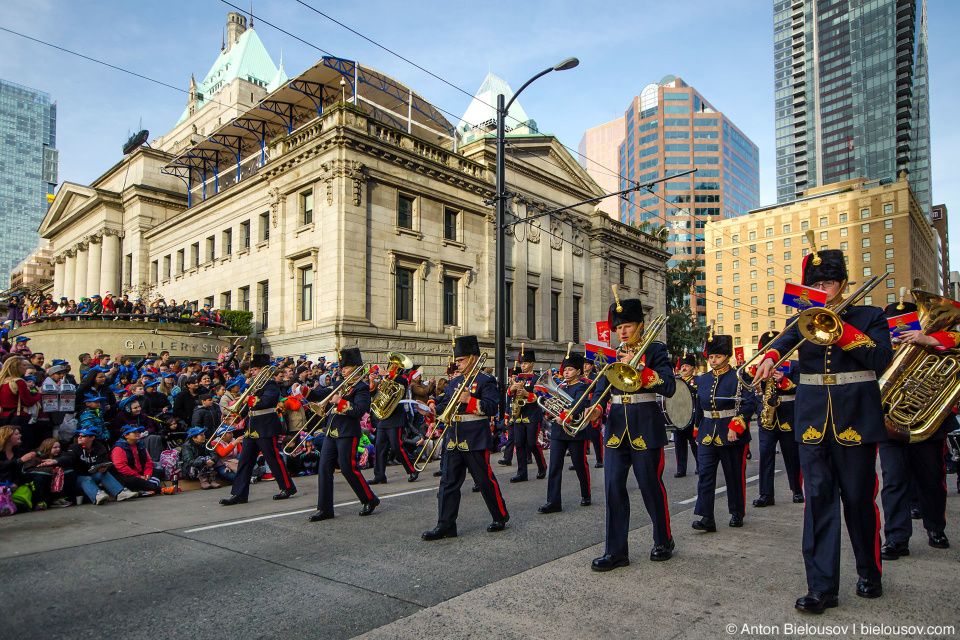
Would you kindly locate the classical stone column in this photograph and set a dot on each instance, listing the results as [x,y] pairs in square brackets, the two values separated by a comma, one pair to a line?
[110,259]
[58,273]
[81,286]
[70,274]
[94,265]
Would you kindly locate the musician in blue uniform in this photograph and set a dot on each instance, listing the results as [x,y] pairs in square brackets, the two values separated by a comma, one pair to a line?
[561,441]
[264,427]
[528,420]
[723,434]
[595,429]
[468,439]
[839,423]
[345,408]
[687,437]
[636,434]
[388,436]
[908,464]
[779,432]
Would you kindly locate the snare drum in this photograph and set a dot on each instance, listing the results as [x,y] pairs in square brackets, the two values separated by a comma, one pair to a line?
[680,410]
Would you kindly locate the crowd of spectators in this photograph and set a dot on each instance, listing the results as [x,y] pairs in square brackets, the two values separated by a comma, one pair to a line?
[107,428]
[41,308]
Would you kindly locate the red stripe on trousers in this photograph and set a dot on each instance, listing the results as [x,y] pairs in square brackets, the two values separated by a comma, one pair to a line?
[663,491]
[876,510]
[496,487]
[353,468]
[283,467]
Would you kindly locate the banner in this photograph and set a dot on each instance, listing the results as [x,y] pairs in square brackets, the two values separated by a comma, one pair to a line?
[600,353]
[738,354]
[906,322]
[801,297]
[603,332]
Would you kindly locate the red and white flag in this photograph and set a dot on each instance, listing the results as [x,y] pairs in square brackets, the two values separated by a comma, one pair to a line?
[603,331]
[849,144]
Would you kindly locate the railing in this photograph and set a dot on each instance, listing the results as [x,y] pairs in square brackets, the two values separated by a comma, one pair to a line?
[133,317]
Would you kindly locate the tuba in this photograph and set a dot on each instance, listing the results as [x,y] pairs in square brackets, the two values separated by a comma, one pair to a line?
[390,392]
[552,399]
[922,384]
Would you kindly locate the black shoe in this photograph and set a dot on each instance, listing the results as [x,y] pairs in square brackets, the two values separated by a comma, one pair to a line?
[370,506]
[736,521]
[476,488]
[609,563]
[284,494]
[584,502]
[437,473]
[413,476]
[541,474]
[498,525]
[749,454]
[232,500]
[598,465]
[764,501]
[680,474]
[816,602]
[798,498]
[938,540]
[662,552]
[377,481]
[705,524]
[915,514]
[519,478]
[320,515]
[894,550]
[869,588]
[550,507]
[438,534]
[504,463]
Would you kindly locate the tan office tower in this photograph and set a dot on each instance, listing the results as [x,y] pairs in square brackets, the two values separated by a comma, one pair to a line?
[880,228]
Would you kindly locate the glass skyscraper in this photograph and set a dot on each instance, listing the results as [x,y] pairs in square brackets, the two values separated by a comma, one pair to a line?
[28,169]
[851,93]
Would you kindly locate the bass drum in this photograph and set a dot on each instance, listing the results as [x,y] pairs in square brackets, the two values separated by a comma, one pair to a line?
[680,410]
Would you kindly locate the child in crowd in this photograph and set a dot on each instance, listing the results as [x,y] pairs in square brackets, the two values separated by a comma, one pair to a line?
[91,420]
[133,463]
[196,462]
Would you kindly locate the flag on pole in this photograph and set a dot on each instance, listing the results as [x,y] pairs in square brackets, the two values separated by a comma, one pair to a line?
[801,297]
[906,322]
[603,332]
[600,353]
[849,143]
[738,354]
[784,368]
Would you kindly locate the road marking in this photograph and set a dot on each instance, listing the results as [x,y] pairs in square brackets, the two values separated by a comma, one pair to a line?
[300,511]
[723,489]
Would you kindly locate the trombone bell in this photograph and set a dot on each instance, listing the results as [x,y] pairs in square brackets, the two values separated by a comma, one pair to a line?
[624,377]
[820,326]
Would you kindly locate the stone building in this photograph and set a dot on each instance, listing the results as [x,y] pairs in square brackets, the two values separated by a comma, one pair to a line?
[362,222]
[880,228]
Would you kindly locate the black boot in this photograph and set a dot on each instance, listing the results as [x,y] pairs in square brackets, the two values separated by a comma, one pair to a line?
[609,562]
[438,534]
[662,552]
[232,500]
[370,506]
[816,602]
[705,524]
[284,494]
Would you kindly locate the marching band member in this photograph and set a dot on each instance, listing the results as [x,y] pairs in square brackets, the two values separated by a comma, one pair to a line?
[839,423]
[723,434]
[683,437]
[779,432]
[635,437]
[528,420]
[561,441]
[264,427]
[340,443]
[906,463]
[595,428]
[388,438]
[468,438]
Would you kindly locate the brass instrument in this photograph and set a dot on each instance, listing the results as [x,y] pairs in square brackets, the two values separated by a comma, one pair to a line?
[819,325]
[557,400]
[624,377]
[312,427]
[262,377]
[390,392]
[445,418]
[922,384]
[768,414]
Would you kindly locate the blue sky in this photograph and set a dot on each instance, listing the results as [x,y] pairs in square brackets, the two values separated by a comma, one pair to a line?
[723,48]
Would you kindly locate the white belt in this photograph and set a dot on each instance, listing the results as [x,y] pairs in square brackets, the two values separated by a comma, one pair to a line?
[262,412]
[787,398]
[633,398]
[463,419]
[829,379]
[726,413]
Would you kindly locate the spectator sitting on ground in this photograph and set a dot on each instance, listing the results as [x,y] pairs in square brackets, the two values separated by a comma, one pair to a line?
[186,401]
[159,402]
[51,484]
[12,461]
[228,455]
[133,463]
[89,459]
[130,415]
[196,462]
[230,395]
[91,419]
[206,415]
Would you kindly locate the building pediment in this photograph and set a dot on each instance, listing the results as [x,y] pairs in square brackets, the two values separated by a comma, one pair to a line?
[70,202]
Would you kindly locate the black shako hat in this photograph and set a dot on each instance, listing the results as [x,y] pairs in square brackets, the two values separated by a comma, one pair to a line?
[527,355]
[260,360]
[831,267]
[631,310]
[351,357]
[574,360]
[466,346]
[893,309]
[721,344]
[687,358]
[767,338]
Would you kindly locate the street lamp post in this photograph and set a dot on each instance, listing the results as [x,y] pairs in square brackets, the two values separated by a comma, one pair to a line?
[500,365]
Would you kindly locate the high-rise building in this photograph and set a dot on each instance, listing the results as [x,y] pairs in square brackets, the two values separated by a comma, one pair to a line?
[599,153]
[940,220]
[28,169]
[879,227]
[851,94]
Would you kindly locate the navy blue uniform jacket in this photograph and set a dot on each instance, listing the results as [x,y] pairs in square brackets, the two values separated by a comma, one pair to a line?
[711,387]
[575,391]
[474,435]
[268,425]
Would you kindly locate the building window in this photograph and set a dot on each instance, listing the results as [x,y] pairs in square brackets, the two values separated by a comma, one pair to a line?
[405,211]
[166,267]
[180,262]
[245,235]
[404,295]
[508,309]
[720,317]
[824,236]
[623,274]
[843,232]
[155,272]
[786,255]
[227,241]
[888,254]
[753,275]
[736,277]
[576,319]
[736,264]
[786,228]
[770,297]
[843,246]
[888,238]
[868,300]
[753,313]
[752,235]
[843,217]
[865,227]
[890,283]
[888,224]
[770,245]
[867,272]
[306,207]
[736,251]
[891,298]
[264,227]
[786,242]
[225,300]
[866,256]
[787,268]
[718,242]
[195,254]
[208,301]
[865,242]
[804,225]
[450,217]
[769,232]
[736,341]
[211,248]
[753,300]
[887,209]
[771,311]
[736,328]
[770,284]
[243,294]
[532,313]
[864,213]
[753,262]
[890,267]
[823,221]
[736,237]
[555,316]
[753,248]
[263,289]
[753,286]
[306,294]
[450,285]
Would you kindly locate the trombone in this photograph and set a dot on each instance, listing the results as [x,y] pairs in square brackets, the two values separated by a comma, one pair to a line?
[819,325]
[320,409]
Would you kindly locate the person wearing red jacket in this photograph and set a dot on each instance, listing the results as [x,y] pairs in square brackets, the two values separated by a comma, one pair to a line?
[134,468]
[16,397]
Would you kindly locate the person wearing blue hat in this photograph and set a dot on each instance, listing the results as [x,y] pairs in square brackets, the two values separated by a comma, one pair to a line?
[159,402]
[20,347]
[91,419]
[134,467]
[89,460]
[196,462]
